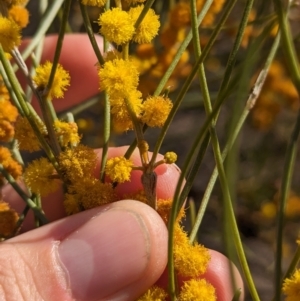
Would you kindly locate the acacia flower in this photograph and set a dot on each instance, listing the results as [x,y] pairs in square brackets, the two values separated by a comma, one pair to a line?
[291,287]
[116,25]
[87,193]
[170,157]
[197,290]
[25,135]
[98,3]
[67,132]
[9,34]
[19,14]
[9,163]
[60,83]
[7,131]
[78,162]
[156,110]
[148,28]
[39,177]
[189,260]
[91,193]
[121,119]
[8,219]
[71,204]
[8,111]
[164,209]
[120,112]
[118,77]
[154,293]
[119,169]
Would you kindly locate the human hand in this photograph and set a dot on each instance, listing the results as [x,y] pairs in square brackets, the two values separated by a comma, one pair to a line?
[114,252]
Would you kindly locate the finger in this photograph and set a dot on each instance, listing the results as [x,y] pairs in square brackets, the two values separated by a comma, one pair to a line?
[218,274]
[77,57]
[167,177]
[114,252]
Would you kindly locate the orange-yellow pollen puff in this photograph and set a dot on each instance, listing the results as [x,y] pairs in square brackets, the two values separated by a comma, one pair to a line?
[98,3]
[119,169]
[8,111]
[39,177]
[20,15]
[199,290]
[116,25]
[7,131]
[77,163]
[27,140]
[60,83]
[148,28]
[170,157]
[189,260]
[9,34]
[156,110]
[154,293]
[67,132]
[9,163]
[291,287]
[88,193]
[118,77]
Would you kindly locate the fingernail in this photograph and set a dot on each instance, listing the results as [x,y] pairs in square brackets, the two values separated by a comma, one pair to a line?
[104,255]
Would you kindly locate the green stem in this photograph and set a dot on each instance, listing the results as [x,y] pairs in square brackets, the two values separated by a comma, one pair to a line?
[147,6]
[59,43]
[25,109]
[189,80]
[171,68]
[194,170]
[105,42]
[293,264]
[229,216]
[89,31]
[48,18]
[45,104]
[249,105]
[181,49]
[287,43]
[20,221]
[37,211]
[10,91]
[284,193]
[106,136]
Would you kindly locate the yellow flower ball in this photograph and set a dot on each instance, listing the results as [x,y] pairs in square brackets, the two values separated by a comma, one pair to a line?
[116,25]
[119,169]
[20,15]
[38,177]
[60,83]
[148,28]
[118,77]
[197,289]
[156,110]
[291,287]
[9,34]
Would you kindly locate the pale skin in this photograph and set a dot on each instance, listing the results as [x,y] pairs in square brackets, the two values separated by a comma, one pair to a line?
[114,252]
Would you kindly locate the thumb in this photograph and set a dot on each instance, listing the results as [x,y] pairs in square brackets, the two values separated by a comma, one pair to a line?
[111,252]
